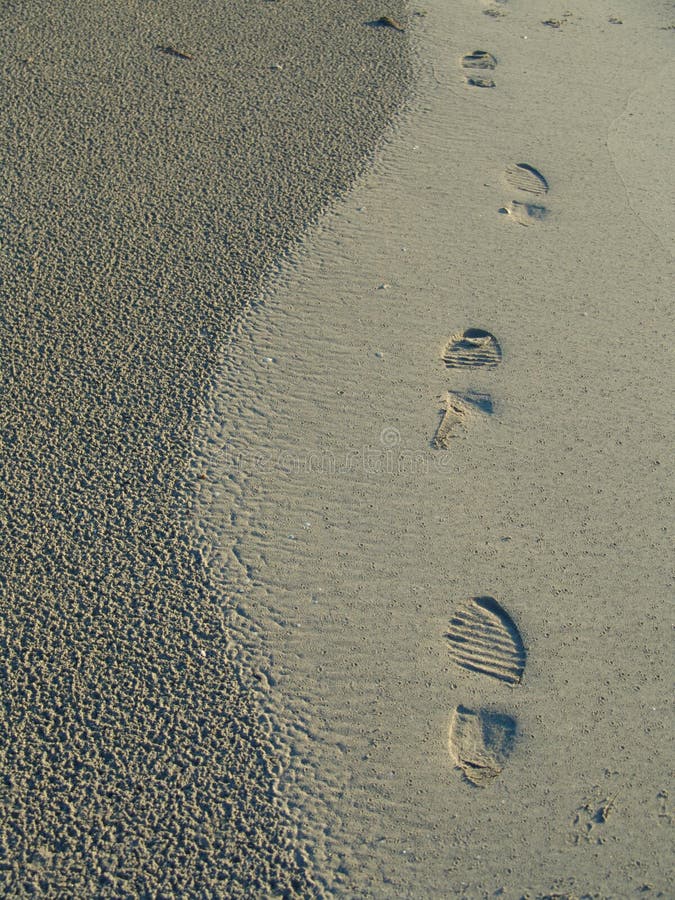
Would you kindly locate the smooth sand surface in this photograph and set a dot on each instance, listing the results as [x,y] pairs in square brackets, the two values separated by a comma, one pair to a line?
[462,644]
[158,158]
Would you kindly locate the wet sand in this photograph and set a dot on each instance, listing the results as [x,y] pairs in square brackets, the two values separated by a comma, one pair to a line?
[159,159]
[437,476]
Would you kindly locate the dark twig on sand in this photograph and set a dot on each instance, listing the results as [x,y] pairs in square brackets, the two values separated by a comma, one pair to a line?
[171,51]
[387,22]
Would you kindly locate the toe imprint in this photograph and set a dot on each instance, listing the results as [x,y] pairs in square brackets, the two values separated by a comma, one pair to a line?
[484,638]
[479,59]
[473,347]
[523,177]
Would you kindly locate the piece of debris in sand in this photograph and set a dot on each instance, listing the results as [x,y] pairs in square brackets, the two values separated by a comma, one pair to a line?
[171,51]
[387,22]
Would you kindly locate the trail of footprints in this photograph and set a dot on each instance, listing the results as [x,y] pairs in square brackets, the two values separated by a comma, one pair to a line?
[483,639]
[476,348]
[530,185]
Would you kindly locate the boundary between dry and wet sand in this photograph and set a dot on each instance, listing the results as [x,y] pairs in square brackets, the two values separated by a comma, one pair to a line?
[145,195]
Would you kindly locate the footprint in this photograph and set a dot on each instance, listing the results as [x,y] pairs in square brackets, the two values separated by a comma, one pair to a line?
[473,347]
[479,60]
[484,638]
[533,186]
[481,742]
[458,409]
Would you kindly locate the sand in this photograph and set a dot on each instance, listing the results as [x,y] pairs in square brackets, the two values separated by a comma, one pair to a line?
[158,160]
[458,629]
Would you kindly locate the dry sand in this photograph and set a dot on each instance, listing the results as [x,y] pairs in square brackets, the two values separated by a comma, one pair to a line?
[157,160]
[490,601]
